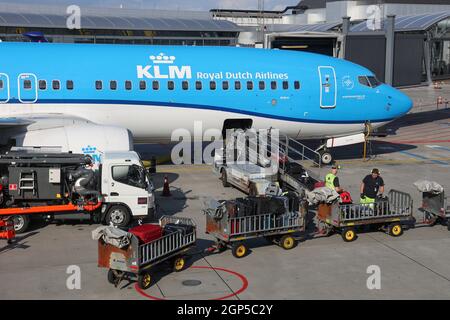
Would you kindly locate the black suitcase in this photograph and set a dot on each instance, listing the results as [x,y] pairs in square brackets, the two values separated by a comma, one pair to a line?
[184,229]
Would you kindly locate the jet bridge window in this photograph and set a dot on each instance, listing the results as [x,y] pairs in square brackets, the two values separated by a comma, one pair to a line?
[198,85]
[27,84]
[98,85]
[69,84]
[285,85]
[113,85]
[225,85]
[262,85]
[249,85]
[297,85]
[237,85]
[128,85]
[142,85]
[56,85]
[185,85]
[155,85]
[42,85]
[212,85]
[273,85]
[170,85]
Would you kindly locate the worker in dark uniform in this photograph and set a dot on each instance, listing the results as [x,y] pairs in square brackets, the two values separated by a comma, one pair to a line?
[332,181]
[371,186]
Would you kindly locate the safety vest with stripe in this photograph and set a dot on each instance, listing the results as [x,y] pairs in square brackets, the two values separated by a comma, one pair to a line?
[329,181]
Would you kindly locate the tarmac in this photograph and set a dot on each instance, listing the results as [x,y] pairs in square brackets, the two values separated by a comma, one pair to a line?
[413,266]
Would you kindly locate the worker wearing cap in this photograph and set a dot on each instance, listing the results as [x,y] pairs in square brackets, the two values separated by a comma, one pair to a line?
[332,181]
[371,185]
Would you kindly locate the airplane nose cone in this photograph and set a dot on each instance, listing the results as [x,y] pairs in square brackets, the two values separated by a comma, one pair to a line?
[398,102]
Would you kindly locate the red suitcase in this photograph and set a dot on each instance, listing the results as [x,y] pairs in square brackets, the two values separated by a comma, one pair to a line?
[147,232]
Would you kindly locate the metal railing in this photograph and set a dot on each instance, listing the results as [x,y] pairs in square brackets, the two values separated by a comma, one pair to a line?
[398,204]
[261,223]
[167,244]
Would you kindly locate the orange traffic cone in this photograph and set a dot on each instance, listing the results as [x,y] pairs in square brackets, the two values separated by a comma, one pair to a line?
[166,189]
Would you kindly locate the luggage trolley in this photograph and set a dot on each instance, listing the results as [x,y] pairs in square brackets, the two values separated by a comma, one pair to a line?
[389,214]
[135,260]
[435,208]
[231,232]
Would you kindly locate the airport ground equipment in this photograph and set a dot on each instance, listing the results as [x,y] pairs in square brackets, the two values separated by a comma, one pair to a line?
[390,214]
[230,225]
[435,208]
[136,260]
[65,185]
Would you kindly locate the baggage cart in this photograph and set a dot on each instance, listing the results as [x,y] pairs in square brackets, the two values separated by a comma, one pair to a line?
[435,208]
[136,260]
[231,232]
[390,214]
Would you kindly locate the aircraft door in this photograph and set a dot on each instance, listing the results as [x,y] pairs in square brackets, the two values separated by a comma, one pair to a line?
[27,88]
[328,87]
[4,88]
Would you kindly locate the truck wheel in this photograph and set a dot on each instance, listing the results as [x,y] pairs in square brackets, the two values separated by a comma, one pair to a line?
[348,234]
[225,179]
[287,242]
[395,230]
[178,264]
[144,280]
[239,250]
[118,215]
[21,223]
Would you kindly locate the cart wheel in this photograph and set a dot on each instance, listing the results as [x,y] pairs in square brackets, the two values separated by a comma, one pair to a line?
[178,264]
[395,230]
[225,179]
[349,234]
[111,276]
[287,242]
[239,250]
[144,280]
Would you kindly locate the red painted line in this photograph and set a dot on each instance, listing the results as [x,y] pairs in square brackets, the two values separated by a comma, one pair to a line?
[240,276]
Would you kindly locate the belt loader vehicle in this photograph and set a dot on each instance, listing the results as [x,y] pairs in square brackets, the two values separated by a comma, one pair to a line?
[50,184]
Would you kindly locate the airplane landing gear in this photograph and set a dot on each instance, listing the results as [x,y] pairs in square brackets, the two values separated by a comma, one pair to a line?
[326,157]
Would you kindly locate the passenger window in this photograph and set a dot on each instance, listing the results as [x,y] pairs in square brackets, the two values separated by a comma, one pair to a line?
[297,85]
[185,85]
[69,85]
[212,85]
[55,84]
[198,85]
[262,85]
[142,85]
[128,85]
[364,81]
[273,85]
[285,85]
[42,85]
[129,175]
[170,85]
[98,85]
[27,84]
[225,85]
[113,85]
[237,85]
[155,85]
[249,85]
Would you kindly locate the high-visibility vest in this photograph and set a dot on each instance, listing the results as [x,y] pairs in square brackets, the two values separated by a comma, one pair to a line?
[329,181]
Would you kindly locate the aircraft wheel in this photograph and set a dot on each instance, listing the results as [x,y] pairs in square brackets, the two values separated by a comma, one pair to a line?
[325,157]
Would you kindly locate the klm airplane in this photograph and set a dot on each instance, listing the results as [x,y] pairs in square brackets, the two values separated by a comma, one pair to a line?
[82,97]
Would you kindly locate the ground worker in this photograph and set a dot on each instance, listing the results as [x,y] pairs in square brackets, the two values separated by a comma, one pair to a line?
[332,181]
[370,186]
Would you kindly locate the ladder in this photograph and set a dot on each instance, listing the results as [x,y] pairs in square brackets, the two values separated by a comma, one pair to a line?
[27,181]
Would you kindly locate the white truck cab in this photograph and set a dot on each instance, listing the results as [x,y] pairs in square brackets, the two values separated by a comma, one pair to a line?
[126,187]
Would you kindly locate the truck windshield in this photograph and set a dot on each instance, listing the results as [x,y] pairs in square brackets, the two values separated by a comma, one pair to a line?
[130,175]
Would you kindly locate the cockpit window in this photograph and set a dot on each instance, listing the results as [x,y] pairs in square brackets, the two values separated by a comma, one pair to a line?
[369,81]
[374,82]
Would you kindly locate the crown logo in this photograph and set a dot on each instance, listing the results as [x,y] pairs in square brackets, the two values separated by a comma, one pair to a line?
[162,58]
[89,150]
